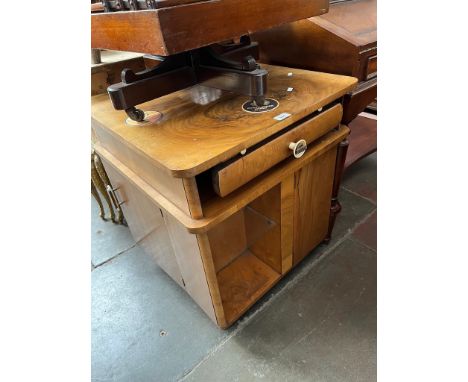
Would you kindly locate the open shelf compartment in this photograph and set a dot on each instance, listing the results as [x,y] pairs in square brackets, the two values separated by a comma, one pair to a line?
[243,282]
[246,250]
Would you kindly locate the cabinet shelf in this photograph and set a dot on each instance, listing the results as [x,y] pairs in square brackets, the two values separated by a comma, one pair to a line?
[243,282]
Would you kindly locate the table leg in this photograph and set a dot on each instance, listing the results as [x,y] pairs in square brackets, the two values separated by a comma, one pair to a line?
[335,204]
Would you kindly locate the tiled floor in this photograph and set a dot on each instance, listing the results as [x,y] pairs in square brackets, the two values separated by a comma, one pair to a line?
[317,324]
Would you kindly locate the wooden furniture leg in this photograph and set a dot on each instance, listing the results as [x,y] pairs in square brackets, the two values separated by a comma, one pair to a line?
[335,204]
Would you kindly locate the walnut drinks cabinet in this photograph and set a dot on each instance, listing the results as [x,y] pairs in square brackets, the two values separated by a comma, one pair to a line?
[216,194]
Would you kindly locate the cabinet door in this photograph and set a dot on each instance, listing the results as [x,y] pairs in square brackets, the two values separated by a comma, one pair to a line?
[313,192]
[146,223]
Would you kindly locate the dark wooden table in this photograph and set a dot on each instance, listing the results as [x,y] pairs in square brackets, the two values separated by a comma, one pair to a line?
[179,26]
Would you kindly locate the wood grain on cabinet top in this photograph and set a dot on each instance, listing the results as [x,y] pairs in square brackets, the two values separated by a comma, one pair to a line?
[192,138]
[176,29]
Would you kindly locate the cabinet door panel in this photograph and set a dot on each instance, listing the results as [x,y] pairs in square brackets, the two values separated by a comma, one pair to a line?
[146,223]
[313,190]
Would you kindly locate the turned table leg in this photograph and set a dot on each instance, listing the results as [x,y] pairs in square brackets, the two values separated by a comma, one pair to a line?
[335,204]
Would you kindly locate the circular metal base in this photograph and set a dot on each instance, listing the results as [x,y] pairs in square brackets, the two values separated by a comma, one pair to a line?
[151,117]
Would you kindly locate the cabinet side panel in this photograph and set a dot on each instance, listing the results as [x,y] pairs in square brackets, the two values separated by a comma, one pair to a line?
[212,280]
[191,266]
[313,191]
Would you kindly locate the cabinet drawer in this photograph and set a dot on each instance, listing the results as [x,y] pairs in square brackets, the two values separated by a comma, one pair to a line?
[356,101]
[231,175]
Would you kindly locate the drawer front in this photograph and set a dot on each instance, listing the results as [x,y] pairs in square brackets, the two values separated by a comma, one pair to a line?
[367,66]
[232,175]
[356,101]
[371,68]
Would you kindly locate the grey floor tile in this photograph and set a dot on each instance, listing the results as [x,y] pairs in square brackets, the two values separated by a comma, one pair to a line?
[354,210]
[107,238]
[366,232]
[361,177]
[323,328]
[133,300]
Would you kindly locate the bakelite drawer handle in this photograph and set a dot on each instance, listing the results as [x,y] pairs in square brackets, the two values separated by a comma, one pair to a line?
[113,196]
[298,148]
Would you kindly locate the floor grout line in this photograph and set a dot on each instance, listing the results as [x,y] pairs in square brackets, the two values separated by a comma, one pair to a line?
[356,240]
[361,196]
[299,276]
[112,258]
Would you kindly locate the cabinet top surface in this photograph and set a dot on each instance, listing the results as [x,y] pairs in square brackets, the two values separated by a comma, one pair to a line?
[191,137]
[355,21]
